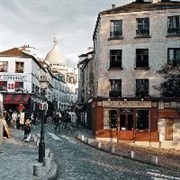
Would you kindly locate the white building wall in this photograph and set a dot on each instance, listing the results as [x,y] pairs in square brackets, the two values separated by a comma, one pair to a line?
[157,44]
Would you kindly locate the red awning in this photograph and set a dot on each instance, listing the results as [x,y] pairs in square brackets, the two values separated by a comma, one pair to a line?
[16,98]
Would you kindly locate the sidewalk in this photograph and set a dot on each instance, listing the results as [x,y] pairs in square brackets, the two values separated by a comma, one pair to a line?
[17,158]
[157,157]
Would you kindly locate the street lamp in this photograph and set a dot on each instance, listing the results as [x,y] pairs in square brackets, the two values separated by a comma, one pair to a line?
[42,143]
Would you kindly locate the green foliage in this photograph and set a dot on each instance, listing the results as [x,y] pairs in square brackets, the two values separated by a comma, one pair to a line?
[170,87]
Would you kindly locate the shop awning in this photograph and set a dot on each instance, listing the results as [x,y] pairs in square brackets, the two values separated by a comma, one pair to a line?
[16,98]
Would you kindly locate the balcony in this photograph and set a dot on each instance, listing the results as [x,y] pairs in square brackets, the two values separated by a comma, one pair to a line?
[115,94]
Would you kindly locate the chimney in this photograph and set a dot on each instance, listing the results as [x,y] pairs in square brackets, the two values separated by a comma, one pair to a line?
[113,6]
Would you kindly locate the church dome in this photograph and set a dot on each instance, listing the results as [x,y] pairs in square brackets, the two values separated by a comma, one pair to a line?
[55,56]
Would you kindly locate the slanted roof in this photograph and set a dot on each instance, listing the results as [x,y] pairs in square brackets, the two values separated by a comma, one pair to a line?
[143,6]
[14,52]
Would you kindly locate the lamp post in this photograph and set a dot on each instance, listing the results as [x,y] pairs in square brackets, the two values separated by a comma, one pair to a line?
[42,143]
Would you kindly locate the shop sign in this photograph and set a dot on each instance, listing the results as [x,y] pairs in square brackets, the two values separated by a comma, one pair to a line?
[127,104]
[175,105]
[13,77]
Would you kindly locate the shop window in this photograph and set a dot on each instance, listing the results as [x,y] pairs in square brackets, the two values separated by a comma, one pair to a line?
[142,120]
[115,58]
[142,87]
[3,66]
[116,29]
[18,86]
[113,119]
[115,88]
[173,25]
[142,59]
[174,56]
[19,67]
[3,85]
[142,27]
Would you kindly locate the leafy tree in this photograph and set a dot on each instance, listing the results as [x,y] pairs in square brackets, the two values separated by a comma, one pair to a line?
[170,86]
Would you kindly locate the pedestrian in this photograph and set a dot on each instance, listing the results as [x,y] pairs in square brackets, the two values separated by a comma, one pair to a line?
[27,130]
[14,119]
[57,120]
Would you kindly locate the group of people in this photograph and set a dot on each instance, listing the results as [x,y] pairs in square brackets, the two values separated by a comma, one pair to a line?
[17,120]
[65,120]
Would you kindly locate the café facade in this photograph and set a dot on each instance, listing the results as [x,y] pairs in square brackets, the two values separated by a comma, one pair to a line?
[148,122]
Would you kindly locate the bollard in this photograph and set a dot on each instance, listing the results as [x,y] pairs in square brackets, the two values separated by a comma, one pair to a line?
[51,156]
[47,151]
[82,137]
[113,150]
[35,139]
[47,163]
[132,154]
[37,142]
[155,159]
[38,169]
[89,141]
[99,144]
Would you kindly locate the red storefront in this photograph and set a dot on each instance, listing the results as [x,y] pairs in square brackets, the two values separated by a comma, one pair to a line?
[132,120]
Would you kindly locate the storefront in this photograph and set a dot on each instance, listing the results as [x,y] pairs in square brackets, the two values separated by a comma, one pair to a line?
[13,101]
[169,124]
[130,120]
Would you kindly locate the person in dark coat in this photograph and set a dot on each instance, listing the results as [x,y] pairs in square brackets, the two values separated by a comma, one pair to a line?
[27,131]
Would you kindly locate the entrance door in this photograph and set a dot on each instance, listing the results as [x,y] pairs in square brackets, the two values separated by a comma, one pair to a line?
[126,121]
[126,124]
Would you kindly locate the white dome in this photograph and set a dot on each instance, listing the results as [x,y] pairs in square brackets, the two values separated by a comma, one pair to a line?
[55,56]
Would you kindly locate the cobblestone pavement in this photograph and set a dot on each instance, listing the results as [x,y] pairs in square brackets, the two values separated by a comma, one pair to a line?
[78,160]
[17,158]
[167,158]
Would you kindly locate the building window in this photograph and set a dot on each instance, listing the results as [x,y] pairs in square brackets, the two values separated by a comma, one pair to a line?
[19,67]
[174,56]
[19,86]
[142,59]
[142,120]
[115,88]
[142,87]
[142,27]
[3,66]
[116,29]
[3,85]
[115,58]
[113,119]
[173,25]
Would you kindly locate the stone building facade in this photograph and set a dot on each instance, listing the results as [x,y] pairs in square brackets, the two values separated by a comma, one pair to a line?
[131,43]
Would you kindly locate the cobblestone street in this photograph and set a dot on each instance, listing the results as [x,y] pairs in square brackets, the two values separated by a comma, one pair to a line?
[76,160]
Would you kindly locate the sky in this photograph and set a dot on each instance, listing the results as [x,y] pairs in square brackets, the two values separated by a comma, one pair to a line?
[37,22]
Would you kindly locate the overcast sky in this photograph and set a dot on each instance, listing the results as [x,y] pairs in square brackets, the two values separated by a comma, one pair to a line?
[36,22]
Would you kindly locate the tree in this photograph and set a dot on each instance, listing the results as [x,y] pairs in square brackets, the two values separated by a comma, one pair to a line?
[170,86]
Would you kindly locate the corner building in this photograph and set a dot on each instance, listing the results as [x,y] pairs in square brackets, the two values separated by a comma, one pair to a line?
[131,43]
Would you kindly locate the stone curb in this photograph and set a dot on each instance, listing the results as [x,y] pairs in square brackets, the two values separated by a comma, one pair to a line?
[48,169]
[98,145]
